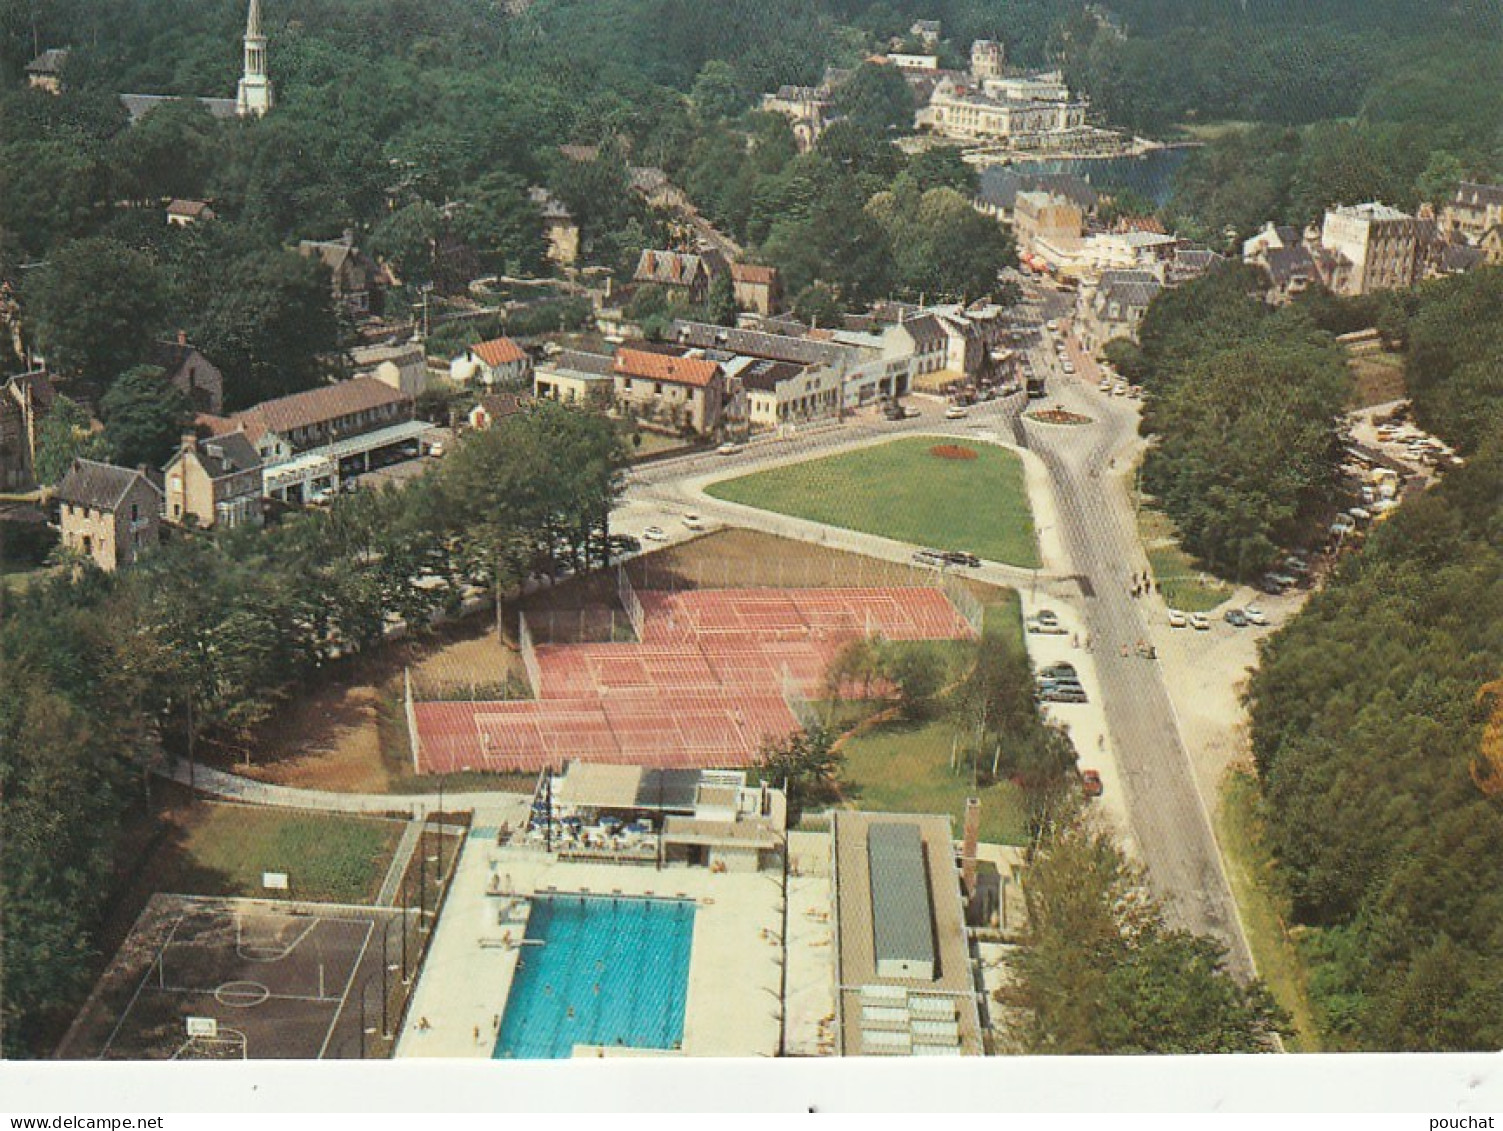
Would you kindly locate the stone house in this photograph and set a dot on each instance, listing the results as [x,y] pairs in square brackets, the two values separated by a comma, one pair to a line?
[217,482]
[1114,307]
[756,287]
[672,389]
[404,367]
[357,281]
[199,379]
[576,377]
[685,275]
[109,514]
[1472,211]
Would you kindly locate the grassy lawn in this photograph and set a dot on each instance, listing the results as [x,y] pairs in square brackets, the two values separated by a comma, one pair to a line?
[223,849]
[899,490]
[1250,867]
[904,767]
[1184,585]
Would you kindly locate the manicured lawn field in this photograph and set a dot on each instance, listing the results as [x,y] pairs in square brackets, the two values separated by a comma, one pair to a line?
[899,490]
[224,849]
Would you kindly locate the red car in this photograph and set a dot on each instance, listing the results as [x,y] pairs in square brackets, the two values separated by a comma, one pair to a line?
[1090,783]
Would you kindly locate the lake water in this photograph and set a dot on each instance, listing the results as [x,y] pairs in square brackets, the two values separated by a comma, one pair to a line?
[1150,175]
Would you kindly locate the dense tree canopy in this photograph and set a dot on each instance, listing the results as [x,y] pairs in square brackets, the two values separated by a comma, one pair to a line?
[1367,721]
[1245,409]
[102,674]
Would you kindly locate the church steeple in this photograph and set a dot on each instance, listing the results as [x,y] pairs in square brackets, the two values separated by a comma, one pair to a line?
[255,96]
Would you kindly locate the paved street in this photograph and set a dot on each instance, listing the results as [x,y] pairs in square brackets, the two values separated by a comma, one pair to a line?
[1169,816]
[1090,549]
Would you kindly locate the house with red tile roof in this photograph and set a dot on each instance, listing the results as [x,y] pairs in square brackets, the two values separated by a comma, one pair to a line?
[675,389]
[497,364]
[756,287]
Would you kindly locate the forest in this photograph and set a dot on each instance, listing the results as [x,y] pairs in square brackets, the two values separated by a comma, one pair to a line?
[1245,405]
[1369,725]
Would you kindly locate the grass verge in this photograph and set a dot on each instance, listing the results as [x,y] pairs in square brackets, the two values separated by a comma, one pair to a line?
[1183,584]
[1250,868]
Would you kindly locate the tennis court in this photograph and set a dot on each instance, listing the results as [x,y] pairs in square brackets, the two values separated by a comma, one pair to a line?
[259,979]
[716,673]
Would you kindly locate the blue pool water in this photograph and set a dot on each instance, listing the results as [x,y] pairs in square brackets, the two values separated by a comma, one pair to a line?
[610,971]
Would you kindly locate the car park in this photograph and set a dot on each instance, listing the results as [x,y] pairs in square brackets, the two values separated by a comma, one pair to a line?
[1199,623]
[1177,619]
[655,534]
[1236,618]
[1090,783]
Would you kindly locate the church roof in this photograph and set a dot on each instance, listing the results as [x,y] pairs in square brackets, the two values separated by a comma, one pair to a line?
[139,105]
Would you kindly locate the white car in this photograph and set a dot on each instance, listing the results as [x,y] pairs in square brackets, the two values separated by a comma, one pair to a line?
[1199,623]
[1177,619]
[694,522]
[1106,385]
[655,534]
[730,449]
[955,412]
[1255,615]
[1069,368]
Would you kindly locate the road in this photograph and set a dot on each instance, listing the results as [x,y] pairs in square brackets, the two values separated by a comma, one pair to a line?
[1094,553]
[1169,816]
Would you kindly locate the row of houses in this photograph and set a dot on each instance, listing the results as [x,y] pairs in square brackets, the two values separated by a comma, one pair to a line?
[1364,248]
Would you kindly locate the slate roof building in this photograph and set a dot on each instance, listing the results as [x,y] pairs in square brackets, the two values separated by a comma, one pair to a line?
[217,482]
[1115,306]
[109,514]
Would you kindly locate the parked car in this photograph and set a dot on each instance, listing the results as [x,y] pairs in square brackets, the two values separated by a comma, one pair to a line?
[1069,368]
[1199,623]
[1177,619]
[961,558]
[955,412]
[1106,385]
[655,534]
[1255,615]
[694,522]
[730,449]
[1046,623]
[928,558]
[1058,671]
[1360,514]
[1090,783]
[1342,526]
[1064,695]
[1284,580]
[1235,617]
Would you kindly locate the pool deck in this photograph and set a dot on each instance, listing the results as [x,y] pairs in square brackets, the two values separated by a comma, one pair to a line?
[811,947]
[734,974]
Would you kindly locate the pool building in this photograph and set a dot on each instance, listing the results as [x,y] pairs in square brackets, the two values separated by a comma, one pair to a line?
[643,912]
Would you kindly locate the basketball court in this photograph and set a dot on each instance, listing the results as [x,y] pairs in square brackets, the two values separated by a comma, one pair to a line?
[713,675]
[235,979]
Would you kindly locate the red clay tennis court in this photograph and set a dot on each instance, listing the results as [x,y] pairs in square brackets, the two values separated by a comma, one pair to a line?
[717,672]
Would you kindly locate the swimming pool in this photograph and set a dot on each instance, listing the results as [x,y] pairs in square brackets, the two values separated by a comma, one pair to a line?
[610,970]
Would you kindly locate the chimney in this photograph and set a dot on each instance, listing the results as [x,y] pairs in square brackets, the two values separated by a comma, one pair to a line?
[968,848]
[190,442]
[182,337]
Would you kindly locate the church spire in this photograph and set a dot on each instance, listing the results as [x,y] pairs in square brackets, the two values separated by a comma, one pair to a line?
[255,96]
